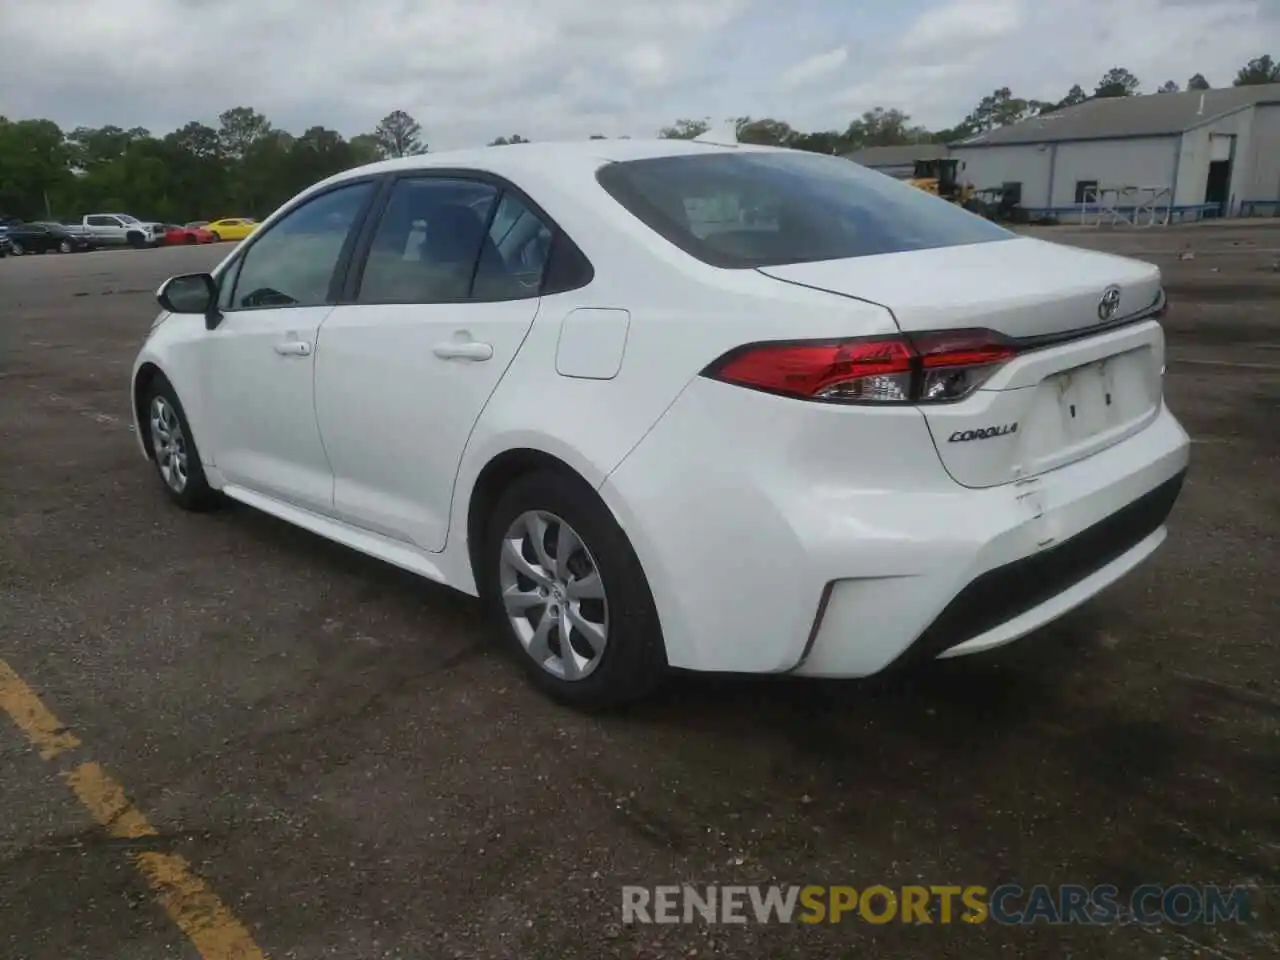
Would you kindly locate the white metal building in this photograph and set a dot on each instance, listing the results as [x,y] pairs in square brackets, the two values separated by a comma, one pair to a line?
[1212,150]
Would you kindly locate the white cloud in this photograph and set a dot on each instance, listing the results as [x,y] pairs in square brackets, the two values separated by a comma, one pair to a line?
[1040,50]
[647,64]
[956,25]
[815,67]
[470,70]
[467,69]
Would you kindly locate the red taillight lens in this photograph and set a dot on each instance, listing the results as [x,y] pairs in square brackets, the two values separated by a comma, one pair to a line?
[922,368]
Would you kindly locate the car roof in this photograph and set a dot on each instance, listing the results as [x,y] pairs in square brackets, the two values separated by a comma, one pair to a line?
[543,157]
[551,172]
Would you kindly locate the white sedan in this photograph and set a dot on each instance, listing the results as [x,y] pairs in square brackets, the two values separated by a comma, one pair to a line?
[679,404]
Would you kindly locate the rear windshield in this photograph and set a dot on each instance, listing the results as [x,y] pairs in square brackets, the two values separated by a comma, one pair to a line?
[755,209]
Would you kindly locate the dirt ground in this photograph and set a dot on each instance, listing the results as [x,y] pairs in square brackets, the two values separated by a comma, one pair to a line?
[337,750]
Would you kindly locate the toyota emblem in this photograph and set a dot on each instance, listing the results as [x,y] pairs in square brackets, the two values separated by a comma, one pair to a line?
[1109,303]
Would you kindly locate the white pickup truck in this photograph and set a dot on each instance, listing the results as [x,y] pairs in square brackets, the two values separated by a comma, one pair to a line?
[119,229]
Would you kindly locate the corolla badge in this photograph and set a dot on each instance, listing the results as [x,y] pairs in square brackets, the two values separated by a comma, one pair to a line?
[1109,303]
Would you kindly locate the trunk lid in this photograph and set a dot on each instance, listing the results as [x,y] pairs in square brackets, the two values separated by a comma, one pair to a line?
[1069,393]
[1021,287]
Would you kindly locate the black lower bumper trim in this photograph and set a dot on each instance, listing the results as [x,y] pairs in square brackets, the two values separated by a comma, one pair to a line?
[999,595]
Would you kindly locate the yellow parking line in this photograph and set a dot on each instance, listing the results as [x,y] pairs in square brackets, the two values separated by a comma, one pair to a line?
[196,909]
[45,731]
[106,802]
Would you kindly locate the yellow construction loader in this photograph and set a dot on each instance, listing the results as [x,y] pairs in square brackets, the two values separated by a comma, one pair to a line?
[941,177]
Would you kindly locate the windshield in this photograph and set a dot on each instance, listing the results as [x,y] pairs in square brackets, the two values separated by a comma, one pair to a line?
[127,219]
[755,209]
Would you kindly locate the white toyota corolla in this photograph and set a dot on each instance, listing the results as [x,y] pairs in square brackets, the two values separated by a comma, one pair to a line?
[679,404]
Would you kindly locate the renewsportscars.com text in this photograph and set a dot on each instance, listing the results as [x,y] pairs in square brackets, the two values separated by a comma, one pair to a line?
[1009,904]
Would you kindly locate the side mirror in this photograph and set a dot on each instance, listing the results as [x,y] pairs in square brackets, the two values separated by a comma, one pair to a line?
[188,293]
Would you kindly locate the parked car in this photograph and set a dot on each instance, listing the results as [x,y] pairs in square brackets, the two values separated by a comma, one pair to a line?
[175,235]
[231,228]
[4,239]
[120,229]
[47,237]
[873,430]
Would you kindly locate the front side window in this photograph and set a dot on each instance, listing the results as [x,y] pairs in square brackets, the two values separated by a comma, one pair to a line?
[428,241]
[757,208]
[292,264]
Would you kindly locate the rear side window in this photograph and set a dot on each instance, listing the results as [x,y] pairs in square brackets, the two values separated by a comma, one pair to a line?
[521,244]
[755,209]
[448,239]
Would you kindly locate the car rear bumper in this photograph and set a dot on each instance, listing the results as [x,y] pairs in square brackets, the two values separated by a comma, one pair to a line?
[755,570]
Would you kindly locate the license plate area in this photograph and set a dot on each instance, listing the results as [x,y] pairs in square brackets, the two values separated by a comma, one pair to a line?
[1084,406]
[1085,398]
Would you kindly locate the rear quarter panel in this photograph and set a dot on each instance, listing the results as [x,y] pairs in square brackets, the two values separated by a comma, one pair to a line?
[684,315]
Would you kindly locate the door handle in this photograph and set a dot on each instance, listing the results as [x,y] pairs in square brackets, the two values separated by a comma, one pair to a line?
[463,350]
[294,348]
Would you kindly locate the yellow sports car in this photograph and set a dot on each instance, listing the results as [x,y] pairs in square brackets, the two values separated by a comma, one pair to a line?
[231,228]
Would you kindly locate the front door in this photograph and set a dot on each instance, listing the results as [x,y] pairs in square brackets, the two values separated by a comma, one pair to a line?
[259,362]
[448,292]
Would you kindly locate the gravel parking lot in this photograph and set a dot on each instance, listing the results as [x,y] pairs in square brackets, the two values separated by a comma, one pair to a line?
[334,747]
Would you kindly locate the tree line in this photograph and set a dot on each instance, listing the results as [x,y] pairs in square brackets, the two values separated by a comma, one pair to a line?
[245,166]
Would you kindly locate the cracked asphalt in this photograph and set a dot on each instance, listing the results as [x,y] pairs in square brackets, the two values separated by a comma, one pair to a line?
[340,752]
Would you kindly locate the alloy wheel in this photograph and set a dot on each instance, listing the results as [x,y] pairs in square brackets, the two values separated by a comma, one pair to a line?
[553,596]
[169,444]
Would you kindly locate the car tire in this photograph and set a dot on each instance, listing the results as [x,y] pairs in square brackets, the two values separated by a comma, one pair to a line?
[614,634]
[173,449]
[217,237]
[16,248]
[136,240]
[64,246]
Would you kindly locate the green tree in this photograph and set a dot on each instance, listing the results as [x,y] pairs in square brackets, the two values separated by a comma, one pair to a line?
[34,166]
[1001,108]
[1117,82]
[399,135]
[1075,95]
[1169,86]
[504,141]
[1198,82]
[685,129]
[365,149]
[766,132]
[1259,70]
[881,127]
[831,142]
[239,129]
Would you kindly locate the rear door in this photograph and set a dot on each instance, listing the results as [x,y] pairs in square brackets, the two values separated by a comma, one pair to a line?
[1082,375]
[441,297]
[106,229]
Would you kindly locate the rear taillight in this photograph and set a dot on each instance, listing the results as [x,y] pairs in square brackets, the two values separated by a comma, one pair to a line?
[934,367]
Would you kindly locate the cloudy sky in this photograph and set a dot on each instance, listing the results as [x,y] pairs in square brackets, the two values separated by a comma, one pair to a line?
[471,70]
